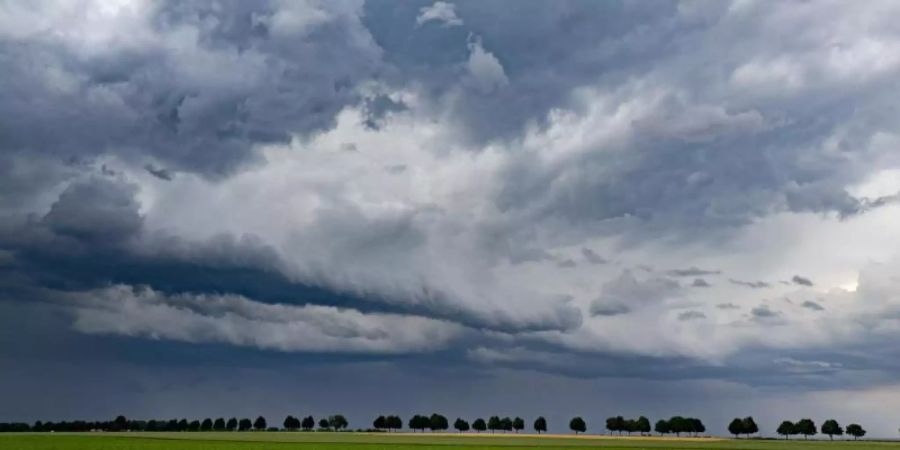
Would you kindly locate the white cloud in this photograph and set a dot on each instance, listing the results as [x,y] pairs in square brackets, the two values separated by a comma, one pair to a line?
[486,72]
[442,12]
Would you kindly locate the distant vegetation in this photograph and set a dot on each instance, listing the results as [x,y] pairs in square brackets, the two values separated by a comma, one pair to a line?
[676,425]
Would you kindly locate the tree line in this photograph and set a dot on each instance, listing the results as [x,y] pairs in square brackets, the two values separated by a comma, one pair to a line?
[436,422]
[830,427]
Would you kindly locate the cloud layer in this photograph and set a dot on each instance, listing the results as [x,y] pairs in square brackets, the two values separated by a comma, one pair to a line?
[691,190]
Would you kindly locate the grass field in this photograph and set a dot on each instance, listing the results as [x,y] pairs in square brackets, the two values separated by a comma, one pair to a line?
[398,441]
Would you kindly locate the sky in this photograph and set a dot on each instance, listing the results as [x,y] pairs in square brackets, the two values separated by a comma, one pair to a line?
[234,208]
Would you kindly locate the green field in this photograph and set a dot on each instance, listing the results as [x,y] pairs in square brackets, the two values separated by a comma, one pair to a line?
[399,441]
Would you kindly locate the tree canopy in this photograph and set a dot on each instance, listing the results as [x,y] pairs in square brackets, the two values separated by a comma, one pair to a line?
[577,425]
[855,430]
[806,427]
[260,423]
[832,429]
[540,424]
[786,429]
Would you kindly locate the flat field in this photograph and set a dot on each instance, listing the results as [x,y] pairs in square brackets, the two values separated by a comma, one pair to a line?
[395,441]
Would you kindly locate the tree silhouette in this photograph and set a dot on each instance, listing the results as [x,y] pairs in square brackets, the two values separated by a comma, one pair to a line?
[494,424]
[291,423]
[662,427]
[855,430]
[506,424]
[577,425]
[749,426]
[219,424]
[540,425]
[206,425]
[786,429]
[615,424]
[518,424]
[338,422]
[260,423]
[308,423]
[323,423]
[643,425]
[419,422]
[695,426]
[832,428]
[678,425]
[478,425]
[380,423]
[394,422]
[232,424]
[736,427]
[806,427]
[119,424]
[438,422]
[461,425]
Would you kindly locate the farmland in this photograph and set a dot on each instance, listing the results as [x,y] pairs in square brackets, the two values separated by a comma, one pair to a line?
[394,441]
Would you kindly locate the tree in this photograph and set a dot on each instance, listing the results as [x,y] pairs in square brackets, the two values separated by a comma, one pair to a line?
[518,424]
[461,425]
[478,425]
[695,425]
[338,422]
[749,426]
[206,425]
[832,428]
[183,425]
[232,424]
[613,424]
[540,425]
[323,423]
[219,424]
[643,425]
[394,422]
[786,429]
[380,423]
[419,422]
[806,427]
[736,427]
[855,430]
[308,423]
[494,424]
[291,423]
[577,425]
[506,424]
[678,425]
[119,424]
[260,423]
[194,425]
[438,422]
[662,427]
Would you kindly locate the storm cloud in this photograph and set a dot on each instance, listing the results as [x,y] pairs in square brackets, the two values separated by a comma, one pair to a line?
[560,191]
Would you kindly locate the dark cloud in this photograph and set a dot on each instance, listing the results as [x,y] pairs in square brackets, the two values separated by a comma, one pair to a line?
[811,305]
[567,264]
[700,282]
[797,279]
[613,309]
[691,315]
[592,256]
[378,108]
[764,312]
[159,172]
[727,306]
[749,284]
[248,77]
[97,211]
[692,272]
